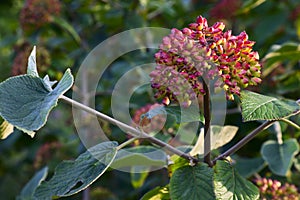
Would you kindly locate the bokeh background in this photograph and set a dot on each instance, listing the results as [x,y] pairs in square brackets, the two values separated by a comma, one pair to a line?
[66,31]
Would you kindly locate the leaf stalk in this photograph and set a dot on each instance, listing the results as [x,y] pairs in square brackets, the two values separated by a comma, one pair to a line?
[130,130]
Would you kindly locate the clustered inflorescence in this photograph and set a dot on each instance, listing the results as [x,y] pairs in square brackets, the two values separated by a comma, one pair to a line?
[22,52]
[198,53]
[36,13]
[155,124]
[273,189]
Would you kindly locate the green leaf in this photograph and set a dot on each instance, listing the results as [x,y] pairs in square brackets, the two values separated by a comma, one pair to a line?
[219,137]
[280,53]
[138,175]
[5,129]
[230,185]
[184,115]
[297,163]
[192,183]
[260,107]
[249,5]
[280,156]
[246,167]
[158,193]
[32,68]
[140,156]
[289,82]
[25,101]
[71,177]
[176,162]
[49,84]
[29,189]
[69,28]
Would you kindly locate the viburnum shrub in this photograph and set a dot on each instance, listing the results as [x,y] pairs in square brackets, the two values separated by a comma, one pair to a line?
[274,189]
[189,63]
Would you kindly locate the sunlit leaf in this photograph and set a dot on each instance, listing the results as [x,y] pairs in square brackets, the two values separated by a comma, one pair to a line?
[138,175]
[158,193]
[219,137]
[140,156]
[71,177]
[192,183]
[175,163]
[25,102]
[29,189]
[229,185]
[249,5]
[280,156]
[5,129]
[280,53]
[260,107]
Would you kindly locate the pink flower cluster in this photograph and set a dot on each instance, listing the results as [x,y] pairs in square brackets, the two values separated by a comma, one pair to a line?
[201,52]
[155,124]
[22,52]
[273,189]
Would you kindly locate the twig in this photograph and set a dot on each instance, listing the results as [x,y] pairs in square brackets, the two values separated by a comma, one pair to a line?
[124,144]
[132,131]
[243,141]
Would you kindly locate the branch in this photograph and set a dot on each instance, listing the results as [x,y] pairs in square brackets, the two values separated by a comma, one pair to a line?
[243,141]
[207,117]
[132,131]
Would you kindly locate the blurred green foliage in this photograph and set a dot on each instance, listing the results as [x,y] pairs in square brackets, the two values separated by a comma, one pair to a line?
[80,25]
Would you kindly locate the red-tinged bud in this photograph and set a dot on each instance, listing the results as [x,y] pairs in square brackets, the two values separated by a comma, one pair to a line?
[249,43]
[226,87]
[256,74]
[186,104]
[166,101]
[220,49]
[228,82]
[245,80]
[189,45]
[255,55]
[227,34]
[208,52]
[187,31]
[166,41]
[254,69]
[193,26]
[230,97]
[219,25]
[202,20]
[212,45]
[244,35]
[202,91]
[256,80]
